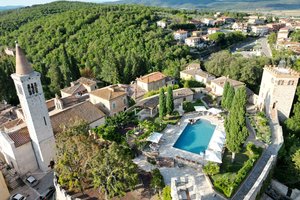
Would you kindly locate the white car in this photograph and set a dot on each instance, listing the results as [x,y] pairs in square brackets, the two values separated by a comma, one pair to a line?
[32,181]
[17,197]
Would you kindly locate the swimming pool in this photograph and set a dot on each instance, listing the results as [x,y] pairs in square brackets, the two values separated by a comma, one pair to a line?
[195,138]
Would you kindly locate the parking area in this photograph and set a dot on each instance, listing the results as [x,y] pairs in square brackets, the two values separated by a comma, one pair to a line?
[33,193]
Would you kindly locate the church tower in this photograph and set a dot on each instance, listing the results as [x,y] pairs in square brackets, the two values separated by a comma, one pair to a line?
[32,100]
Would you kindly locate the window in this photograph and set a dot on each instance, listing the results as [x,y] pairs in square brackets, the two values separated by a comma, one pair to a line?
[29,89]
[36,88]
[280,82]
[32,88]
[291,83]
[124,100]
[45,121]
[113,105]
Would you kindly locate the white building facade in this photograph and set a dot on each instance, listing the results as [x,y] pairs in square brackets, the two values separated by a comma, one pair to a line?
[277,91]
[30,92]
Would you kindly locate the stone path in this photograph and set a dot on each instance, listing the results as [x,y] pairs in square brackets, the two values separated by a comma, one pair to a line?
[259,166]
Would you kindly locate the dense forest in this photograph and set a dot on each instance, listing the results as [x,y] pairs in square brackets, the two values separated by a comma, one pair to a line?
[113,43]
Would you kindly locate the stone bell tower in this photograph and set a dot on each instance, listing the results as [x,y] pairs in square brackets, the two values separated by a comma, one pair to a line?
[32,100]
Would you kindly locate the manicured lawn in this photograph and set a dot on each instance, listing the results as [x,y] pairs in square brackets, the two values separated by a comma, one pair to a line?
[229,168]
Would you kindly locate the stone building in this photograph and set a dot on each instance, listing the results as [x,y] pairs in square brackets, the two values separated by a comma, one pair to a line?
[152,81]
[277,90]
[79,87]
[111,99]
[27,140]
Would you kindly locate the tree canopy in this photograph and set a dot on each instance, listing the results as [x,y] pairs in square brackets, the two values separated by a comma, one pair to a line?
[235,123]
[113,43]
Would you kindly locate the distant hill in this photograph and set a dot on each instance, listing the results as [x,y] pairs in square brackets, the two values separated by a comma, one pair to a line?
[223,4]
[9,7]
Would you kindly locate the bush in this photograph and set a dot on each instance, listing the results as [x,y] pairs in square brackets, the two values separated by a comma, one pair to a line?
[157,181]
[193,84]
[166,193]
[188,106]
[211,168]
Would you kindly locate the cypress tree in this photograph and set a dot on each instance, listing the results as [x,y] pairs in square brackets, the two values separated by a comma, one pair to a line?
[162,103]
[170,101]
[224,96]
[235,124]
[229,98]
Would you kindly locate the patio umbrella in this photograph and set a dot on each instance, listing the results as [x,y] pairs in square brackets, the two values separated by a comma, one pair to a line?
[214,156]
[214,111]
[200,108]
[154,137]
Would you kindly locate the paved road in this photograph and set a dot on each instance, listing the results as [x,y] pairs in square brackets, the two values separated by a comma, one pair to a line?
[261,43]
[265,47]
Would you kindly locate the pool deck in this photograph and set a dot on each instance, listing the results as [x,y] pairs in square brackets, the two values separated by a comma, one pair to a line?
[172,133]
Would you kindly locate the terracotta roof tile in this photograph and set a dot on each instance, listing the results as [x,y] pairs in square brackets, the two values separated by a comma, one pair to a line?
[20,137]
[84,111]
[109,93]
[153,77]
[222,80]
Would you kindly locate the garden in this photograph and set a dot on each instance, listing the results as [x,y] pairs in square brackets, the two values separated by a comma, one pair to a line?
[261,127]
[229,175]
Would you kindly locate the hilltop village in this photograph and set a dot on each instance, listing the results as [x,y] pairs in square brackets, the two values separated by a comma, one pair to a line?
[201,135]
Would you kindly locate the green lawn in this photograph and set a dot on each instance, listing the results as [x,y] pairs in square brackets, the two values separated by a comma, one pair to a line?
[229,168]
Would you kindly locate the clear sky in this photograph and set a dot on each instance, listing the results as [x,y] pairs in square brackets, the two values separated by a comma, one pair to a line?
[32,2]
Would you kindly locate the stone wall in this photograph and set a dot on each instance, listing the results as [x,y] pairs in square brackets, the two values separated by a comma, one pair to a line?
[62,194]
[277,141]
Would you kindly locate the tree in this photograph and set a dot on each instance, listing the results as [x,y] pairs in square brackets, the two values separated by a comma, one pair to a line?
[235,123]
[74,153]
[166,193]
[162,103]
[170,101]
[157,181]
[217,37]
[230,96]
[211,168]
[272,38]
[113,171]
[225,92]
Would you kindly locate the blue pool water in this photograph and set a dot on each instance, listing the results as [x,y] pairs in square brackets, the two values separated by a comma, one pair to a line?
[195,138]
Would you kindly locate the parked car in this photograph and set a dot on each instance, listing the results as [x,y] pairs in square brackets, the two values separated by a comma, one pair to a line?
[32,181]
[17,197]
[49,193]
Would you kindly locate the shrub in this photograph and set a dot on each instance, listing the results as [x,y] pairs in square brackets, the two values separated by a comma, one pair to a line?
[157,181]
[193,84]
[211,168]
[188,106]
[166,193]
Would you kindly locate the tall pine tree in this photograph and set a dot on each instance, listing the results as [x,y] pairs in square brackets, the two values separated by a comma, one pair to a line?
[170,101]
[224,96]
[162,103]
[229,98]
[235,124]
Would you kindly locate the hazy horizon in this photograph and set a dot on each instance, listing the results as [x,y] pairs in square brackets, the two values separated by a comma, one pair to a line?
[33,2]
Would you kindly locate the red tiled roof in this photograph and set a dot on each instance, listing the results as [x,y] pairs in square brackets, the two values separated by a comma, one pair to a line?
[20,137]
[153,77]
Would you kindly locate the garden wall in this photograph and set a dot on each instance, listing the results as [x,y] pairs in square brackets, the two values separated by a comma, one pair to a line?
[277,141]
[61,194]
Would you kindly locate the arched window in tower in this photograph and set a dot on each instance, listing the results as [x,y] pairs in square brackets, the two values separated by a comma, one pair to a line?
[32,88]
[36,88]
[29,89]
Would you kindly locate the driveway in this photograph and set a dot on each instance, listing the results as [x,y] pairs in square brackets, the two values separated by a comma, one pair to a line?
[33,193]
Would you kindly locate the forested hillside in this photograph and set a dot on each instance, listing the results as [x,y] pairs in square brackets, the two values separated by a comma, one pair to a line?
[113,43]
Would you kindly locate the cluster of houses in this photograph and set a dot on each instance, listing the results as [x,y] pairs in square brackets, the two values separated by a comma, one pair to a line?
[256,25]
[284,36]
